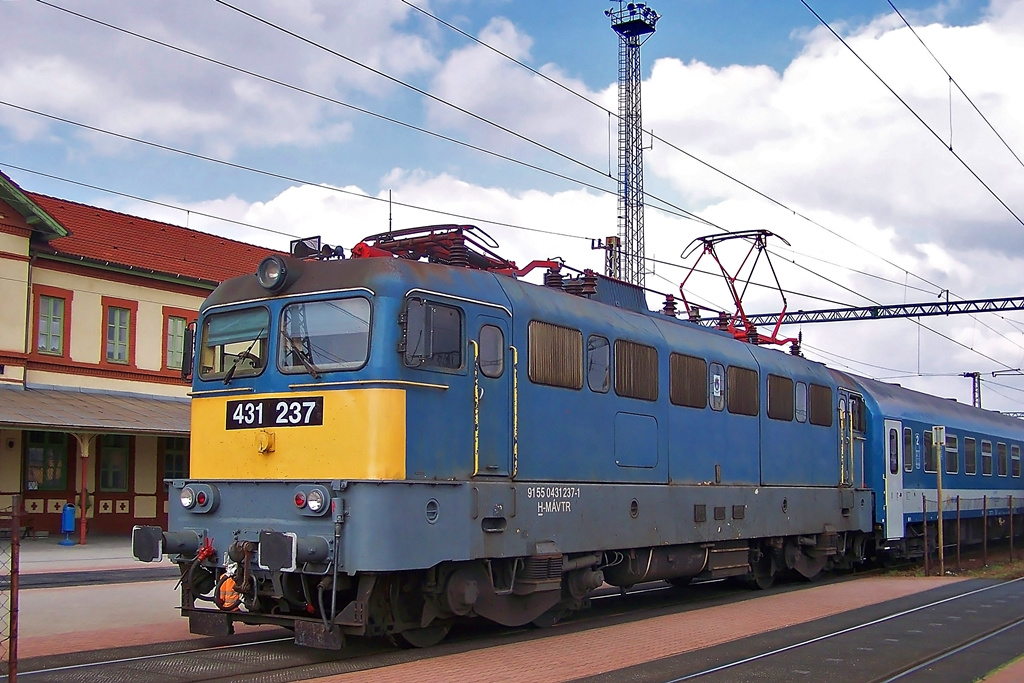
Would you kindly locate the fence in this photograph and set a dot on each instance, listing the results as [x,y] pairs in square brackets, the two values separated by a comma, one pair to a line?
[990,517]
[10,547]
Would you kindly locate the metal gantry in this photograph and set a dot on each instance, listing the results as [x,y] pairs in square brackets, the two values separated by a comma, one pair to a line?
[634,23]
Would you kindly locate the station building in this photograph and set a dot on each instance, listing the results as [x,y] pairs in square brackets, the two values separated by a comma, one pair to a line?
[93,310]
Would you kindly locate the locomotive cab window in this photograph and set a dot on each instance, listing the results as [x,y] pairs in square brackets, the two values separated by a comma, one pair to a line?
[234,344]
[952,455]
[492,351]
[433,335]
[780,398]
[599,362]
[970,455]
[323,336]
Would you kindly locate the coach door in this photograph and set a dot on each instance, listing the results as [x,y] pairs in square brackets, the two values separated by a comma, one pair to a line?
[851,438]
[893,480]
[493,372]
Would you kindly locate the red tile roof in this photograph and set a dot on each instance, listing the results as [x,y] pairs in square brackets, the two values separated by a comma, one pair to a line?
[125,240]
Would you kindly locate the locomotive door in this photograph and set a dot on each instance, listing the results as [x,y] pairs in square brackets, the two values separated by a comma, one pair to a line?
[493,379]
[851,438]
[893,480]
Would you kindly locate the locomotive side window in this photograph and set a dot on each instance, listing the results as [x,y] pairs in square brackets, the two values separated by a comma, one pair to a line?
[322,336]
[636,370]
[1015,460]
[687,385]
[234,344]
[716,386]
[986,458]
[908,449]
[952,455]
[433,335]
[492,351]
[821,406]
[970,455]
[894,451]
[930,461]
[743,391]
[1001,461]
[599,363]
[556,355]
[801,402]
[780,398]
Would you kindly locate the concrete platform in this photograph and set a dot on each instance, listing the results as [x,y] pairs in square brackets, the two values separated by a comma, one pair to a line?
[46,555]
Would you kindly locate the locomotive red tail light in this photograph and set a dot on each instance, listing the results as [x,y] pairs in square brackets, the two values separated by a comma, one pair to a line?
[201,498]
[300,499]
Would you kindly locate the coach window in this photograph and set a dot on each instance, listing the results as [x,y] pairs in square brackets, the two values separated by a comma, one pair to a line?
[234,342]
[687,381]
[716,386]
[986,458]
[636,370]
[743,391]
[908,449]
[952,455]
[894,451]
[801,402]
[433,337]
[780,398]
[930,464]
[599,362]
[1015,461]
[555,355]
[821,406]
[970,455]
[492,351]
[323,336]
[1001,461]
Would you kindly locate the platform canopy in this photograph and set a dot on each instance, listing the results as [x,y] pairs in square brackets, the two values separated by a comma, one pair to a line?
[73,410]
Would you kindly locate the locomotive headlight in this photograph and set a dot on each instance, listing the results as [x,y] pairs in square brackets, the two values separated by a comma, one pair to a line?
[272,273]
[315,500]
[188,497]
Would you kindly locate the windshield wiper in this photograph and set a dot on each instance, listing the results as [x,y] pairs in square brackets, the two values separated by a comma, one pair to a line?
[298,350]
[238,359]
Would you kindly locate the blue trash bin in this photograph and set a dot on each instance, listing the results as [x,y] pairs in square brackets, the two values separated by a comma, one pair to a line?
[67,523]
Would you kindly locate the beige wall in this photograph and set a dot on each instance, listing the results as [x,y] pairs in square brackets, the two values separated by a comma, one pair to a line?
[13,293]
[145,464]
[10,461]
[56,379]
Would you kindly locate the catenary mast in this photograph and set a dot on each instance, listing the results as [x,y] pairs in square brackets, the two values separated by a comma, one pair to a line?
[634,24]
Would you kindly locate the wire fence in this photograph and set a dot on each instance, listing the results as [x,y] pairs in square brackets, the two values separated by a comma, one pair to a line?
[966,521]
[10,548]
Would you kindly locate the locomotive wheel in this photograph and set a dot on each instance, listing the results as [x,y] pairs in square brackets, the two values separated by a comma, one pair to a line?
[763,573]
[423,637]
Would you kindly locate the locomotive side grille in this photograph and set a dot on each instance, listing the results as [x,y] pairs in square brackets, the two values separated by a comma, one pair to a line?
[556,355]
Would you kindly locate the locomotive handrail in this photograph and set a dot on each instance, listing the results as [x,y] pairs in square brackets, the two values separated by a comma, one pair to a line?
[476,409]
[515,411]
[364,382]
[225,390]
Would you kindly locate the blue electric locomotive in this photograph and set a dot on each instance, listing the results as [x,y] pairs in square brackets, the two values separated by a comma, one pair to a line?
[382,445]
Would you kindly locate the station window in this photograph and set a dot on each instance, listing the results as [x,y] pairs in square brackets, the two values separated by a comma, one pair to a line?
[930,460]
[986,458]
[687,381]
[556,355]
[175,457]
[492,351]
[1001,462]
[636,370]
[970,455]
[716,386]
[801,402]
[46,461]
[780,398]
[433,335]
[114,463]
[599,363]
[952,460]
[908,449]
[1015,461]
[743,391]
[51,326]
[894,452]
[821,405]
[175,341]
[118,331]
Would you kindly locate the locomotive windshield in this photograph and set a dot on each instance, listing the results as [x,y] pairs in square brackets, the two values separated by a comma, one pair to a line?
[234,344]
[323,336]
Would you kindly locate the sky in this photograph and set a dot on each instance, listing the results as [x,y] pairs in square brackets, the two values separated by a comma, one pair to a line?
[886,163]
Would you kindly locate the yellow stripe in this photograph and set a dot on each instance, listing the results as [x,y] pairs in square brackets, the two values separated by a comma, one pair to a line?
[362,437]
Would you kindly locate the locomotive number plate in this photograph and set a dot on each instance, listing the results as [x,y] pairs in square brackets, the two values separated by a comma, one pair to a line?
[299,411]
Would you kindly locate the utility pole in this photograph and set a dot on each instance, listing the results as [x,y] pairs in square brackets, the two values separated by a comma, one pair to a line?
[634,23]
[976,388]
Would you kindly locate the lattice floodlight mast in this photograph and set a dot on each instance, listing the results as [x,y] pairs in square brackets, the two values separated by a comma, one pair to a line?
[634,23]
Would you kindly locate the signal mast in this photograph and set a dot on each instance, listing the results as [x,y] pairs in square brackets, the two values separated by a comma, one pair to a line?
[634,23]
